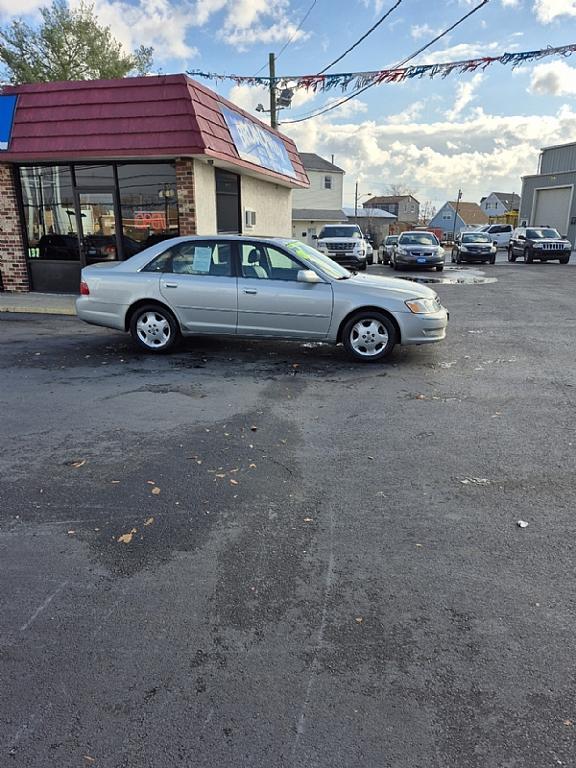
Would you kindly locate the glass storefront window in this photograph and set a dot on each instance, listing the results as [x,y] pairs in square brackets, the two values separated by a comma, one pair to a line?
[94,175]
[148,204]
[49,212]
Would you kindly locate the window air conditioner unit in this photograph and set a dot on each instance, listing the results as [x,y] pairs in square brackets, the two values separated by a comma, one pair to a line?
[250,217]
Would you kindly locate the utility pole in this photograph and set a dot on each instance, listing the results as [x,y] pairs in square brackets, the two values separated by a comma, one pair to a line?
[456,213]
[272,86]
[356,203]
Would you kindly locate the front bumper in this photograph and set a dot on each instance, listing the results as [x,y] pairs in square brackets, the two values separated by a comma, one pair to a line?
[467,256]
[544,255]
[408,260]
[348,260]
[422,329]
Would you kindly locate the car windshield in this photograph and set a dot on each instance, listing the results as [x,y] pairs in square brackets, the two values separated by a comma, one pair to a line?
[418,238]
[340,232]
[476,237]
[314,258]
[392,240]
[538,234]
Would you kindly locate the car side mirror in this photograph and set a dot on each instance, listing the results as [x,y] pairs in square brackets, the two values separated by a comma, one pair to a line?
[308,276]
[314,237]
[521,237]
[494,242]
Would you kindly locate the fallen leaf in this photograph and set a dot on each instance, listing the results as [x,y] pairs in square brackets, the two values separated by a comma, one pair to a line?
[419,545]
[420,397]
[126,538]
[219,474]
[371,458]
[568,722]
[156,491]
[308,519]
[89,759]
[149,521]
[233,482]
[115,482]
[79,463]
[151,482]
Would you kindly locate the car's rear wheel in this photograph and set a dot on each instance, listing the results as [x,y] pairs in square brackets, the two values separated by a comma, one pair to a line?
[369,336]
[528,256]
[154,329]
[564,259]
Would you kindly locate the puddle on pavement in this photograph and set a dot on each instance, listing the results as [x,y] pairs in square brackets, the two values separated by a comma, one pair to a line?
[457,277]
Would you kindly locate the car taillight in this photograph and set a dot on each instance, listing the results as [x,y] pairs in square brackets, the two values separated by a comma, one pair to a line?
[84,290]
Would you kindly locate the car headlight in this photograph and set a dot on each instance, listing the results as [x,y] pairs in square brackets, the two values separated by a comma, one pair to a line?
[423,306]
[537,245]
[403,251]
[464,248]
[321,246]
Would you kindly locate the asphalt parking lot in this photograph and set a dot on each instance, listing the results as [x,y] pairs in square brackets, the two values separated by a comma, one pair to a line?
[258,555]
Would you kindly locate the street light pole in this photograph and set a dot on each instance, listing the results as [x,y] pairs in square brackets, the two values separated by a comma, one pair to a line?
[356,203]
[456,213]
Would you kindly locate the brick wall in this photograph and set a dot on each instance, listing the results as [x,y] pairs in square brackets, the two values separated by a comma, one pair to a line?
[12,254]
[186,199]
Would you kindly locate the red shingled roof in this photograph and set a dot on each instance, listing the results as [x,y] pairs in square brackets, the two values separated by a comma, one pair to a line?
[137,117]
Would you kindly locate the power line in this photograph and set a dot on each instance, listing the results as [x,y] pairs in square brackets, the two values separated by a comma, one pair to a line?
[402,63]
[298,28]
[364,36]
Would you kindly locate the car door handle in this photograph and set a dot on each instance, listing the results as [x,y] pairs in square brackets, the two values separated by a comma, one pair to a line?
[250,290]
[170,285]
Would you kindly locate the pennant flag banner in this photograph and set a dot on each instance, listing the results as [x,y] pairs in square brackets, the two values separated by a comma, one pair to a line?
[356,80]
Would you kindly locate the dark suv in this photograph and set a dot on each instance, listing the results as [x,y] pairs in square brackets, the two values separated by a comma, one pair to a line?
[543,243]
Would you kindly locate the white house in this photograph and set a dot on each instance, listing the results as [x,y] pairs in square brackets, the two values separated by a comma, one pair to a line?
[321,202]
[498,204]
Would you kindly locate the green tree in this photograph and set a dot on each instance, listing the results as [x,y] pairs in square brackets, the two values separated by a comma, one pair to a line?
[68,44]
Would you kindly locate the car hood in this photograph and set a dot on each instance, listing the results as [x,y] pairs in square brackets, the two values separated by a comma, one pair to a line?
[339,240]
[403,288]
[411,247]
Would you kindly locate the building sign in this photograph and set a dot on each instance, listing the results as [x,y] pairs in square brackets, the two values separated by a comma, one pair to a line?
[7,109]
[257,145]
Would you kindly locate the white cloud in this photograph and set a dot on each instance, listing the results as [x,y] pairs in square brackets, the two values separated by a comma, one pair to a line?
[465,93]
[549,10]
[419,31]
[480,153]
[8,8]
[555,78]
[149,22]
[461,52]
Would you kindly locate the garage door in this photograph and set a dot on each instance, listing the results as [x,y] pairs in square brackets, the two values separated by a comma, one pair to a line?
[552,208]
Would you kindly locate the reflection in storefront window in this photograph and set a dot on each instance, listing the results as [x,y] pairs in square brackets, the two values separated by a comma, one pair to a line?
[94,175]
[148,203]
[49,212]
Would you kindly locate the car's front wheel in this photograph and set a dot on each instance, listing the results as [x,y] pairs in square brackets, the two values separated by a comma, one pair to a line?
[439,267]
[564,259]
[528,256]
[369,336]
[154,329]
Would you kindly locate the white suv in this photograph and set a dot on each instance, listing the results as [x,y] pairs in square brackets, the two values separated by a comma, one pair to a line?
[500,233]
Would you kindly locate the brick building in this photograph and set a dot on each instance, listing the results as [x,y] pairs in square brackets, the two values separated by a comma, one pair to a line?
[99,170]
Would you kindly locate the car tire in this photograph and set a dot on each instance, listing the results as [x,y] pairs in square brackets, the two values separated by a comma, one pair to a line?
[492,260]
[511,256]
[439,267]
[154,329]
[369,336]
[362,267]
[528,256]
[564,259]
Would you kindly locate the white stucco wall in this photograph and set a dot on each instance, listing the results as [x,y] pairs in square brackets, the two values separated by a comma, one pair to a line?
[205,198]
[316,196]
[273,206]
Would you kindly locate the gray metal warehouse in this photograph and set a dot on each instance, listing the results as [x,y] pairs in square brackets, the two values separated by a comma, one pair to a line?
[548,197]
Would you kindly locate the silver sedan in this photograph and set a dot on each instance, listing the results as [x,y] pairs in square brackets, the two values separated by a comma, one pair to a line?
[256,287]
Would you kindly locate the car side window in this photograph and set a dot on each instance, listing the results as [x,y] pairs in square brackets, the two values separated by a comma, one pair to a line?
[265,262]
[201,258]
[160,263]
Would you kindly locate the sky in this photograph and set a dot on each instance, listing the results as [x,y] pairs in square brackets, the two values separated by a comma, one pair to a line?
[478,132]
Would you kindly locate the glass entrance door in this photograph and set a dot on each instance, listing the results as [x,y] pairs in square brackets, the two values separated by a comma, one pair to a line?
[97,211]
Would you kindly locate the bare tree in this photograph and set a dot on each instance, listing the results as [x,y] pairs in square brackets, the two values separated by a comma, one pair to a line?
[427,212]
[398,190]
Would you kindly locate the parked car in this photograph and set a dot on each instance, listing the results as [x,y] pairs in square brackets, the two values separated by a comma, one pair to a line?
[369,250]
[385,250]
[417,249]
[259,287]
[543,243]
[474,246]
[500,233]
[344,243]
